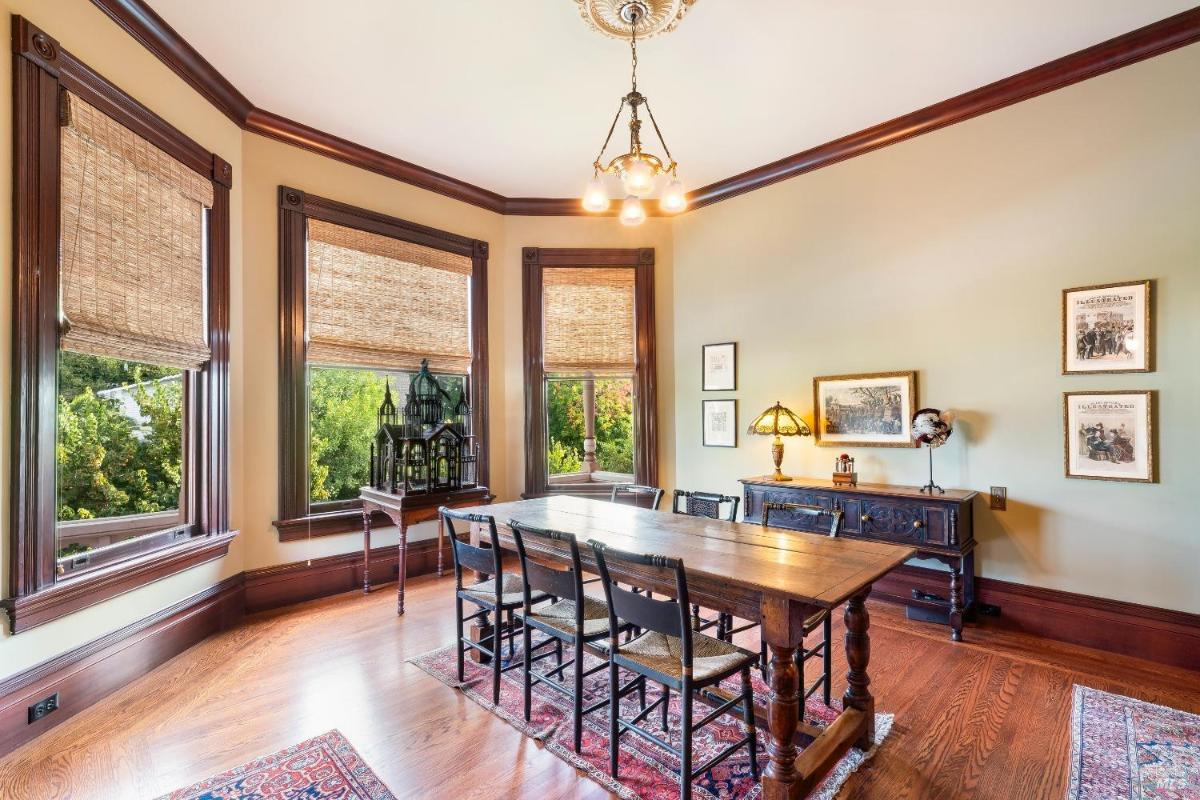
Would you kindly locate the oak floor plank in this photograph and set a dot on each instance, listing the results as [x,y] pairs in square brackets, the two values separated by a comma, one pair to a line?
[986,718]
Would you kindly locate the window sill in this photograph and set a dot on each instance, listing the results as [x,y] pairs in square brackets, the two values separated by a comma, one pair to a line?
[74,593]
[326,523]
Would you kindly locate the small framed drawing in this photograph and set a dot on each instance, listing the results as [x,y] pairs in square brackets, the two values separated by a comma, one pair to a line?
[1106,328]
[869,410]
[720,423]
[1109,435]
[720,367]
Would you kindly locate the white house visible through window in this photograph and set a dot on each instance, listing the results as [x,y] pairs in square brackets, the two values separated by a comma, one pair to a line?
[132,331]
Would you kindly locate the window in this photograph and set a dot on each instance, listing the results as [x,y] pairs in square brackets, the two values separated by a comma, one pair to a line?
[120,374]
[365,299]
[589,352]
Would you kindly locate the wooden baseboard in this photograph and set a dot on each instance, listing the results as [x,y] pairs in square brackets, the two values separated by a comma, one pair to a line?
[285,584]
[87,673]
[1157,634]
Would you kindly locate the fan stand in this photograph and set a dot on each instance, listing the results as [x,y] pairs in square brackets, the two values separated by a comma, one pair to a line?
[931,487]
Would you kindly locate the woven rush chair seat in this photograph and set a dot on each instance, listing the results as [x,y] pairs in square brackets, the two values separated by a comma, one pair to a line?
[561,616]
[663,654]
[511,590]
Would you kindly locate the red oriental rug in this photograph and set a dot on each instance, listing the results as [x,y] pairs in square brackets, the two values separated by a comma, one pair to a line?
[325,767]
[647,771]
[1126,748]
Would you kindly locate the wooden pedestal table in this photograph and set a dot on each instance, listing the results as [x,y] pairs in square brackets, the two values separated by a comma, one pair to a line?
[404,510]
[777,578]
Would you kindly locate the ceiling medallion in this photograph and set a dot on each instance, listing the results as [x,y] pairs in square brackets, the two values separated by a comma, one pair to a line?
[637,169]
[612,17]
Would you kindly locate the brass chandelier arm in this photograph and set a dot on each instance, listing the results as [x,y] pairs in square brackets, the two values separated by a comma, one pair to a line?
[608,138]
[671,167]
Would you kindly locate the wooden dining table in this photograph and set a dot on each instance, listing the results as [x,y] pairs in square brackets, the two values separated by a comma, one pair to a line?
[775,577]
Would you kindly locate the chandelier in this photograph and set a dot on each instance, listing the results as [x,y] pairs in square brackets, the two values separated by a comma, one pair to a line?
[637,169]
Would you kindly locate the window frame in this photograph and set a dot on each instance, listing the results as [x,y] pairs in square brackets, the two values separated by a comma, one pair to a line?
[42,72]
[298,517]
[645,426]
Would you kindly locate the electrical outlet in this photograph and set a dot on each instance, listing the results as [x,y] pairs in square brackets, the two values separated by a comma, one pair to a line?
[43,707]
[999,498]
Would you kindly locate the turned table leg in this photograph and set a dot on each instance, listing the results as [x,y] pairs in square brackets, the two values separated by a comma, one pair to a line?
[956,603]
[403,565]
[366,551]
[441,540]
[858,656]
[782,627]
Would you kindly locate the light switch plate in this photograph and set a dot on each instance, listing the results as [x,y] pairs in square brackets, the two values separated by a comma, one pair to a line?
[999,498]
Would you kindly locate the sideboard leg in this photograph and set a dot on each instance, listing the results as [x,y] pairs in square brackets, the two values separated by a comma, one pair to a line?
[441,540]
[956,603]
[366,551]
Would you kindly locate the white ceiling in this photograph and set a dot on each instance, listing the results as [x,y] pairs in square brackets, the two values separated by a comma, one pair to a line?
[516,96]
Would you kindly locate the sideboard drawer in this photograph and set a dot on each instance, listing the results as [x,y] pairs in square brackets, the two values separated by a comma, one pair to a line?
[891,521]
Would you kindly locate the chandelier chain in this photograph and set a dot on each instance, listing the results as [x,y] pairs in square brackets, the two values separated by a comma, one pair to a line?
[608,138]
[661,140]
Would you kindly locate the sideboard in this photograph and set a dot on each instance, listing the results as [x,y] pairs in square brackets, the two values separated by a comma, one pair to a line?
[939,526]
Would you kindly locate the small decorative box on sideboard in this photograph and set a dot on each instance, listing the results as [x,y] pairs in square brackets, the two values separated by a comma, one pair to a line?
[940,526]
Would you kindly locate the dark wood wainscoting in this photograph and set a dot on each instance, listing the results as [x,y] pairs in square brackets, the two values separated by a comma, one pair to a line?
[86,674]
[1156,634]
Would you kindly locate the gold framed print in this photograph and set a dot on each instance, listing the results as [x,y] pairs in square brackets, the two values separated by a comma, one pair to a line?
[1109,436]
[871,409]
[1107,328]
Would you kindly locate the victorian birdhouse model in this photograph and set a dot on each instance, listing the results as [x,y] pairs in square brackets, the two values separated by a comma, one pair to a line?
[427,447]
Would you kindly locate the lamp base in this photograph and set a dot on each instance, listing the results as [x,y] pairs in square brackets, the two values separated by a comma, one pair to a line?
[777,457]
[779,476]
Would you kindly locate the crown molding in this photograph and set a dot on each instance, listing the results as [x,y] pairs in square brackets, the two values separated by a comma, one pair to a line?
[148,28]
[1121,51]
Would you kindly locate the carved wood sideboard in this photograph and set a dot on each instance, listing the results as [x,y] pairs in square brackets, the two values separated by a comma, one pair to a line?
[939,526]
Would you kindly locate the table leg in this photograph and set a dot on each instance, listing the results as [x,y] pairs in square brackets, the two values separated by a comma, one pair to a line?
[366,551]
[403,565]
[441,541]
[956,603]
[781,627]
[858,656]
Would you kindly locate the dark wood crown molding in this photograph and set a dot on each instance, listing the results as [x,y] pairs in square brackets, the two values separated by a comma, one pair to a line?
[141,22]
[1129,48]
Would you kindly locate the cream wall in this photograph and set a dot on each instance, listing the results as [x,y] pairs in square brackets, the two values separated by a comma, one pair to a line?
[88,34]
[947,255]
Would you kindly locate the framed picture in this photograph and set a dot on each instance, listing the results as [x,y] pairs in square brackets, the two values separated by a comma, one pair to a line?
[1107,328]
[1109,435]
[720,423]
[869,410]
[720,367]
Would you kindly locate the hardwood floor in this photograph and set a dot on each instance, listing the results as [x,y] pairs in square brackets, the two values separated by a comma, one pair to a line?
[1001,732]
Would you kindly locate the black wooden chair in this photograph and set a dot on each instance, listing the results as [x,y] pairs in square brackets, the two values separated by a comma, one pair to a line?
[671,654]
[822,619]
[573,619]
[631,494]
[707,504]
[498,592]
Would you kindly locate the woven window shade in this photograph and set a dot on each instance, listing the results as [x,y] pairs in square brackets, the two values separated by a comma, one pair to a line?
[587,320]
[132,245]
[375,301]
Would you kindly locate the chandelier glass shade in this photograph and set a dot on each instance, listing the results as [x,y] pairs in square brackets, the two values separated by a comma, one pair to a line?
[638,171]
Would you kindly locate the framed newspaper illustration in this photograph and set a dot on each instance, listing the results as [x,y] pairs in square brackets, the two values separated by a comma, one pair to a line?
[1107,328]
[868,410]
[1109,435]
[720,423]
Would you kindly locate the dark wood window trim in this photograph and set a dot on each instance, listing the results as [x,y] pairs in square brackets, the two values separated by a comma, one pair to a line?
[534,260]
[42,71]
[298,519]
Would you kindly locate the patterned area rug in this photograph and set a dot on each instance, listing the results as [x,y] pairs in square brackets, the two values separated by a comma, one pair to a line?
[647,771]
[325,767]
[1128,749]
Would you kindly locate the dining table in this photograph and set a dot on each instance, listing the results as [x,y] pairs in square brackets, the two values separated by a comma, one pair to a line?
[775,577]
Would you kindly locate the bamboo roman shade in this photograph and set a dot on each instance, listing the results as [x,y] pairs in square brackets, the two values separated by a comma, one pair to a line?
[375,301]
[587,320]
[133,245]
